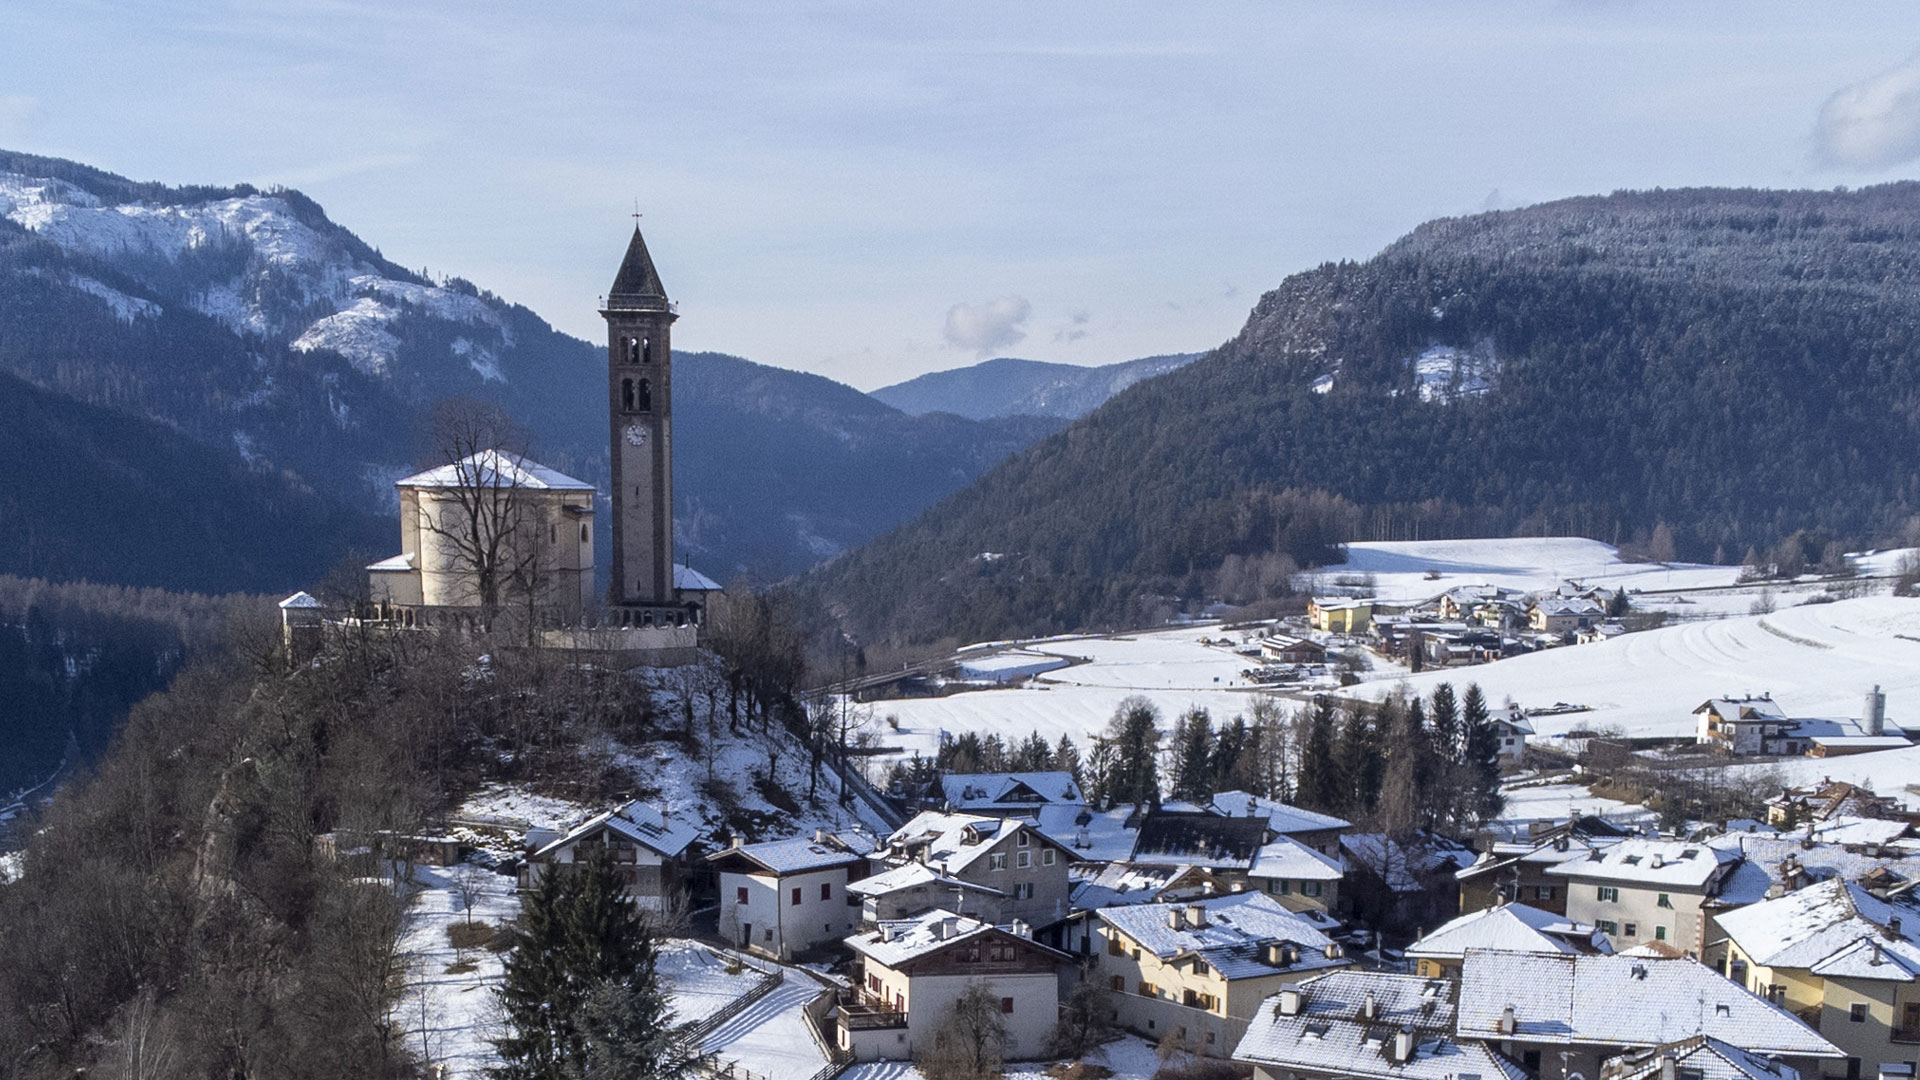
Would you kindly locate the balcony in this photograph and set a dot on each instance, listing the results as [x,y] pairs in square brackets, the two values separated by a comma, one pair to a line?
[858,1012]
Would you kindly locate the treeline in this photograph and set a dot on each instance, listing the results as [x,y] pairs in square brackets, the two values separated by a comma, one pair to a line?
[1398,765]
[1772,391]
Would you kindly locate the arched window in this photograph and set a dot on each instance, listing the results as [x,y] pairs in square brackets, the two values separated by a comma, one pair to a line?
[646,350]
[633,351]
[646,397]
[626,395]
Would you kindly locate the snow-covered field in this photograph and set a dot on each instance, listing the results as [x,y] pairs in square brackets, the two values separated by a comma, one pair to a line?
[1817,660]
[1130,1058]
[1887,773]
[450,1018]
[772,1037]
[1558,802]
[1400,569]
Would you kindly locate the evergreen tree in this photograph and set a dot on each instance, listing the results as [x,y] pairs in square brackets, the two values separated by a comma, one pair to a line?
[1031,755]
[1133,736]
[1481,764]
[1229,748]
[1317,783]
[580,985]
[1066,759]
[1449,739]
[1193,748]
[1405,790]
[1358,764]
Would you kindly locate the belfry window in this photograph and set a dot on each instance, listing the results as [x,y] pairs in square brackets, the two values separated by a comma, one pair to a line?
[626,395]
[646,350]
[633,350]
[646,397]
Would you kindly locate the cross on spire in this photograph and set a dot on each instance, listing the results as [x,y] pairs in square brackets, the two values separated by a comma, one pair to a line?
[636,213]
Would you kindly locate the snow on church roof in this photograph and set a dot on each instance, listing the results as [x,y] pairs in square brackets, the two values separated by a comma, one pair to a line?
[495,468]
[687,579]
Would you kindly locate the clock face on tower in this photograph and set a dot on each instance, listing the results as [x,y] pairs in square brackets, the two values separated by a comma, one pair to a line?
[636,435]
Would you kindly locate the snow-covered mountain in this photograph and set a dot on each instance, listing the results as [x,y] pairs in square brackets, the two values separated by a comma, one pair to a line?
[1008,386]
[250,322]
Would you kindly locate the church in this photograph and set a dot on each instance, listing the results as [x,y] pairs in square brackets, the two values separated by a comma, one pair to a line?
[498,535]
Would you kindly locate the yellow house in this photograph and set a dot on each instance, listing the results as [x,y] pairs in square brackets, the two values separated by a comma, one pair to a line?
[1339,615]
[1840,958]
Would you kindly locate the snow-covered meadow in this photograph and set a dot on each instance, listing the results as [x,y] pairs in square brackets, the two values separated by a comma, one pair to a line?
[1417,569]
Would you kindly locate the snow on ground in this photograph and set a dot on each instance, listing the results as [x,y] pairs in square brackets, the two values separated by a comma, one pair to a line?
[1888,772]
[772,1037]
[1400,569]
[1168,659]
[1817,660]
[449,1018]
[1130,1058]
[1558,802]
[699,980]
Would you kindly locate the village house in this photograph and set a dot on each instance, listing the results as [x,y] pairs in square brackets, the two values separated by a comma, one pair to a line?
[1009,793]
[1564,615]
[1123,883]
[1757,725]
[786,897]
[1196,837]
[905,891]
[1697,1058]
[1507,928]
[1199,970]
[1644,890]
[908,973]
[1563,1015]
[1402,882]
[1829,799]
[1513,727]
[1297,876]
[1517,870]
[1366,1026]
[1321,832]
[1339,614]
[1284,649]
[650,849]
[1007,855]
[1840,958]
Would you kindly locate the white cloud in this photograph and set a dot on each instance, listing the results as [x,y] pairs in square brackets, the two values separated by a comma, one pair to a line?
[17,113]
[989,325]
[1874,123]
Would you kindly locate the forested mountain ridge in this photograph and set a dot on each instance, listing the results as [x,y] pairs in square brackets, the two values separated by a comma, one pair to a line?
[1007,386]
[250,323]
[1739,365]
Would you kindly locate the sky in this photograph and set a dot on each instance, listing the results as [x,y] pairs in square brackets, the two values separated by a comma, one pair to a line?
[873,191]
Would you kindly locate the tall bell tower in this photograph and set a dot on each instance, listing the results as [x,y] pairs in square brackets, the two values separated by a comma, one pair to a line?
[640,414]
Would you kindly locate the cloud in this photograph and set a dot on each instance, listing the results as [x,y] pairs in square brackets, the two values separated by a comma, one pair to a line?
[989,325]
[1874,123]
[1076,331]
[17,112]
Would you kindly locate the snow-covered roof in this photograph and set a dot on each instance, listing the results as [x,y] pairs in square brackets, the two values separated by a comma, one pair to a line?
[1621,1001]
[396,564]
[1234,937]
[1858,830]
[1510,928]
[1281,818]
[1292,860]
[1197,837]
[1094,835]
[1119,884]
[300,600]
[898,941]
[687,579]
[955,841]
[1820,923]
[1567,606]
[495,468]
[1743,709]
[1347,1023]
[983,791]
[1771,860]
[638,822]
[909,876]
[1702,1056]
[796,855]
[1644,861]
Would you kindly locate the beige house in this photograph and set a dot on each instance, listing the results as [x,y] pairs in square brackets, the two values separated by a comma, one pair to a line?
[1007,856]
[1519,870]
[1642,890]
[784,897]
[908,973]
[1199,970]
[1507,928]
[1840,958]
[1297,876]
[1355,1025]
[650,849]
[492,528]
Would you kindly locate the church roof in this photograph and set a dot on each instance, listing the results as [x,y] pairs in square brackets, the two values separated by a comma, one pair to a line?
[637,280]
[495,468]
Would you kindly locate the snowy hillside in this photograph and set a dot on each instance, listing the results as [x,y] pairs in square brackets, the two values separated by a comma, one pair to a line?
[1012,387]
[1418,569]
[1816,660]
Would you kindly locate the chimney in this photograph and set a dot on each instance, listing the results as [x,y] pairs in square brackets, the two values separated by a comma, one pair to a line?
[1176,918]
[1403,1045]
[1370,1008]
[1658,861]
[949,926]
[736,841]
[1508,1022]
[1197,916]
[1290,1001]
[1669,1066]
[1874,719]
[819,836]
[1335,951]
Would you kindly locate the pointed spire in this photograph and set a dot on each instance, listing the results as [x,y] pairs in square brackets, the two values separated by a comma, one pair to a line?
[638,283]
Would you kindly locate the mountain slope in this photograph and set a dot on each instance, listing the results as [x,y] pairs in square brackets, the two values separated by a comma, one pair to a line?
[1011,387]
[249,322]
[1739,365]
